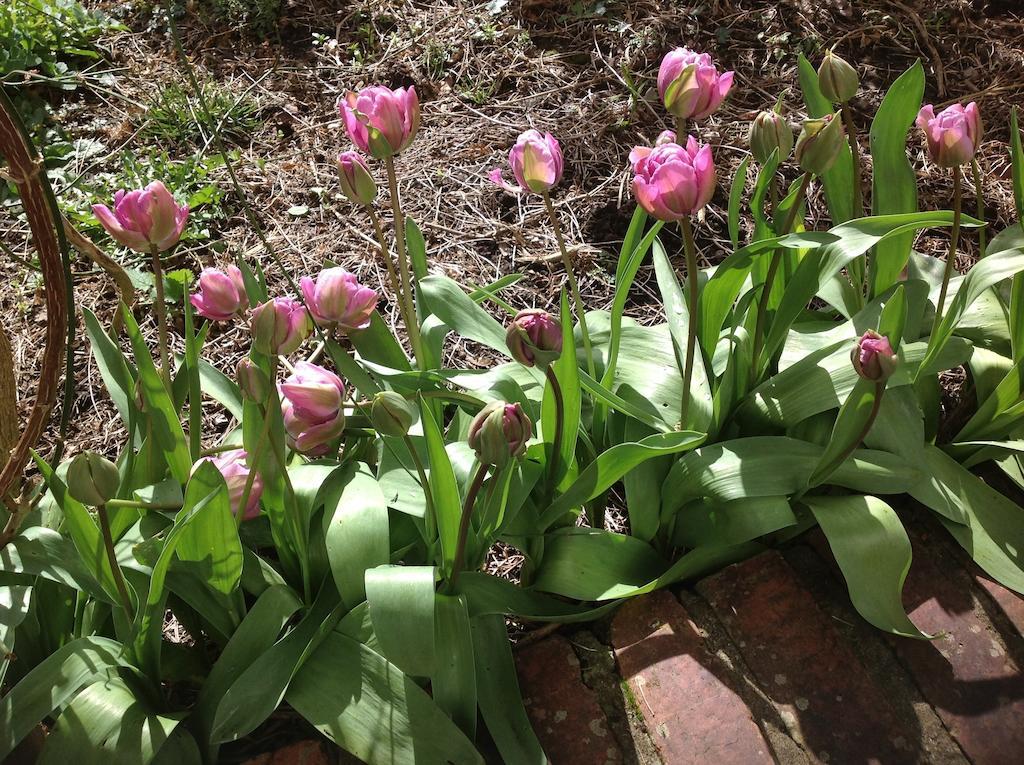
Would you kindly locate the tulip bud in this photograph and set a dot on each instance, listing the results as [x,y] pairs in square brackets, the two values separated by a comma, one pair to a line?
[337,299]
[954,135]
[312,408]
[499,433]
[221,295]
[536,161]
[690,85]
[380,121]
[357,183]
[534,338]
[279,326]
[873,357]
[837,80]
[770,131]
[253,381]
[392,414]
[92,479]
[819,144]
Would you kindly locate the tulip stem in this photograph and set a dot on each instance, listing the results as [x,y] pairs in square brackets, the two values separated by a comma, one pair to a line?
[429,520]
[160,308]
[980,207]
[139,504]
[574,287]
[858,192]
[954,240]
[556,438]
[396,285]
[769,279]
[692,279]
[115,569]
[412,325]
[467,513]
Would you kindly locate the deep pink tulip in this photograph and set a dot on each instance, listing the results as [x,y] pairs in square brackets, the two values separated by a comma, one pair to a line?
[381,121]
[536,162]
[233,465]
[144,219]
[279,326]
[689,84]
[671,182]
[337,299]
[954,135]
[534,338]
[873,357]
[221,295]
[311,402]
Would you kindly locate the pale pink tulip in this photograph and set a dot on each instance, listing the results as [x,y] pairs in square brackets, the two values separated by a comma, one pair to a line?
[690,85]
[221,295]
[381,121]
[671,182]
[337,299]
[311,403]
[953,135]
[144,219]
[536,162]
[233,465]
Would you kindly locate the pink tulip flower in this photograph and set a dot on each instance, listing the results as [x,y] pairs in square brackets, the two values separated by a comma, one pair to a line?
[873,357]
[357,182]
[499,433]
[954,135]
[221,295]
[144,219]
[279,326]
[337,299]
[311,402]
[671,182]
[689,84]
[381,121]
[233,465]
[536,162]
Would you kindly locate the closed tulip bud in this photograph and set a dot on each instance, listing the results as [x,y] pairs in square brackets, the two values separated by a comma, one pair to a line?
[221,295]
[93,479]
[536,162]
[770,132]
[145,219]
[311,406]
[253,381]
[873,357]
[357,183]
[690,85]
[234,467]
[954,135]
[391,414]
[499,432]
[672,182]
[534,338]
[337,299]
[820,142]
[837,79]
[381,121]
[279,326]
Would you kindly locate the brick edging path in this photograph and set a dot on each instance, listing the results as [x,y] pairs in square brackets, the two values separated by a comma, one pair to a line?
[766,661]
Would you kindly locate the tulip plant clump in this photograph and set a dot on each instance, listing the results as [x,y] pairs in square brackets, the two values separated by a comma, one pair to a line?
[326,552]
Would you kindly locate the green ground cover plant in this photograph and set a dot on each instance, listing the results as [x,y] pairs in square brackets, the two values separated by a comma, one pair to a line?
[324,552]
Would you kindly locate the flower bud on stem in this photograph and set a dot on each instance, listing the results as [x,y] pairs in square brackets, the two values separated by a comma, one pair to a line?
[773,267]
[411,324]
[954,240]
[573,286]
[467,513]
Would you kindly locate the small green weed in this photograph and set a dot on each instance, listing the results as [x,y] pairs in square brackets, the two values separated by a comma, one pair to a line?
[174,115]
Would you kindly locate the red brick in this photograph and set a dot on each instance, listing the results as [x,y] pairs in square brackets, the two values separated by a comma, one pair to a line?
[299,753]
[966,673]
[1009,602]
[824,694]
[683,690]
[565,714]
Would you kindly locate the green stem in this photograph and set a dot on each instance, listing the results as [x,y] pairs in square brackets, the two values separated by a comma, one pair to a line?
[692,278]
[467,513]
[108,543]
[160,308]
[139,504]
[429,519]
[769,279]
[980,209]
[954,240]
[860,264]
[396,285]
[412,323]
[556,441]
[574,288]
[681,131]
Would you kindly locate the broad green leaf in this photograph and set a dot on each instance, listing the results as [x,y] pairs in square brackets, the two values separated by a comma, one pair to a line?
[443,489]
[117,375]
[211,536]
[873,552]
[15,600]
[838,180]
[593,564]
[717,524]
[377,344]
[855,416]
[894,182]
[1017,164]
[492,596]
[567,371]
[365,704]
[642,486]
[454,307]
[160,410]
[621,405]
[453,684]
[39,551]
[221,389]
[614,463]
[258,690]
[401,602]
[54,682]
[739,180]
